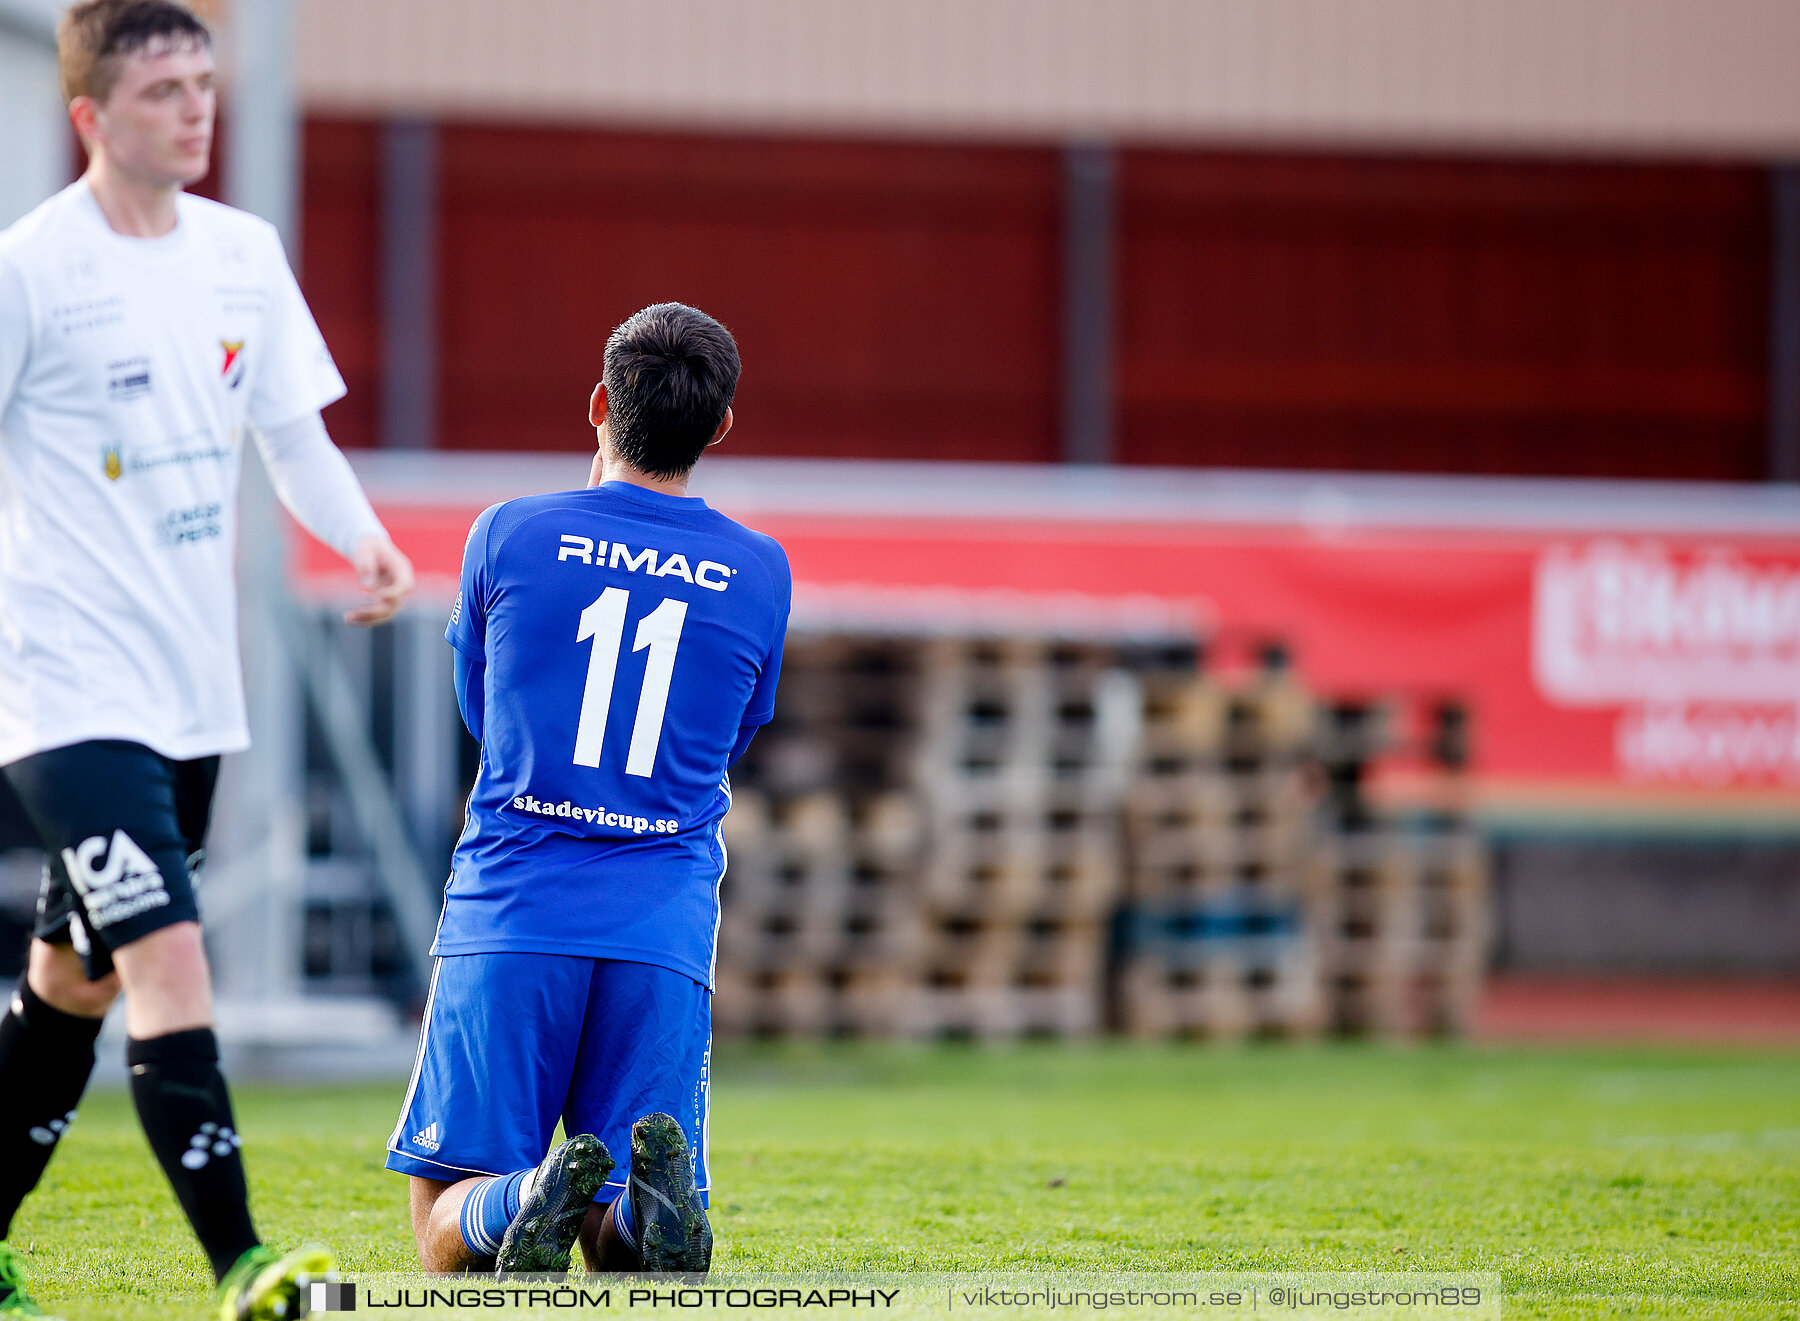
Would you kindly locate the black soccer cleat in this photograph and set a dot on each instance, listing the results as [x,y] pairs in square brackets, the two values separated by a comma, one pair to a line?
[673,1234]
[540,1237]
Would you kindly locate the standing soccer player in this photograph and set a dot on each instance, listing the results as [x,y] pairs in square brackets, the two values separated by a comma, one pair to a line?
[142,331]
[615,650]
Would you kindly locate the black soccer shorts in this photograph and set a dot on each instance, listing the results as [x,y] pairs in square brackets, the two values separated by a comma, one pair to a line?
[123,829]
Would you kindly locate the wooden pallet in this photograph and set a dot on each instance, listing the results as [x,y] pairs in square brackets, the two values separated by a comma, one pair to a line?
[1059,954]
[777,879]
[998,1013]
[1275,848]
[1225,990]
[979,785]
[870,1002]
[840,1000]
[878,929]
[769,1002]
[1009,861]
[969,951]
[889,829]
[1185,720]
[1403,930]
[1211,794]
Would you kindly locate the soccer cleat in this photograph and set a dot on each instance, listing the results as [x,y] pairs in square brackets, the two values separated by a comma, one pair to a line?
[540,1237]
[263,1285]
[673,1234]
[14,1301]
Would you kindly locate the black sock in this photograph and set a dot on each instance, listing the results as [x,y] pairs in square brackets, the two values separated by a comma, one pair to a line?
[45,1059]
[186,1113]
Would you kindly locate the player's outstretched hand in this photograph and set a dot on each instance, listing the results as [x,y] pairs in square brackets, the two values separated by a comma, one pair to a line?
[385,573]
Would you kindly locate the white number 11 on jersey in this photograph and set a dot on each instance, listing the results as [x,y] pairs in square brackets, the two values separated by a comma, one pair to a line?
[660,630]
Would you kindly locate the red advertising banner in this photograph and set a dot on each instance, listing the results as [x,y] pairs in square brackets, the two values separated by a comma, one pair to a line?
[1618,667]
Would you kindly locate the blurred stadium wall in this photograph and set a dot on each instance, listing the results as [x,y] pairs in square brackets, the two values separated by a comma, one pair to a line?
[37,141]
[1555,239]
[1390,236]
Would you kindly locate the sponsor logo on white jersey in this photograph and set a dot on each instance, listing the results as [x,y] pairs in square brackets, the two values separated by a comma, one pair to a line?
[654,563]
[179,451]
[181,527]
[427,1137]
[87,314]
[127,379]
[117,879]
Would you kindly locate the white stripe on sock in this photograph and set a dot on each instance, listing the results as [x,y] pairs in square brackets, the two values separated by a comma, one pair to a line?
[477,1219]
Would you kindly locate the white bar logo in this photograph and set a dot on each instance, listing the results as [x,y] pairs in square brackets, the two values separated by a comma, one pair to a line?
[1617,623]
[329,1296]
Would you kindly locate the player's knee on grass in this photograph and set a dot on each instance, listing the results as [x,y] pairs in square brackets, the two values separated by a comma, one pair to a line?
[592,1251]
[58,979]
[602,1246]
[437,1225]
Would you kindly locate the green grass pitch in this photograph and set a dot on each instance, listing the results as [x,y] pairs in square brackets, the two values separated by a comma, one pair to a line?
[1599,1182]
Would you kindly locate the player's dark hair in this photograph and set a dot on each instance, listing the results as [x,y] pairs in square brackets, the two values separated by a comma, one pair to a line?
[95,36]
[670,373]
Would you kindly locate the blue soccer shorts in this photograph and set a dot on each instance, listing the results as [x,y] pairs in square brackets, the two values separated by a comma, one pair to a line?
[513,1042]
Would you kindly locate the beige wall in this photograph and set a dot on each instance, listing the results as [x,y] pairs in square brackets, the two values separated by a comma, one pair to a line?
[1681,77]
[35,145]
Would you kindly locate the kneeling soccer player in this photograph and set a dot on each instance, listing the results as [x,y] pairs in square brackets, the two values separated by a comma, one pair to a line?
[615,650]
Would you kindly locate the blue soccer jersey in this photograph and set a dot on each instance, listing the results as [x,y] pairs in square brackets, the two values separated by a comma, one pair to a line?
[627,636]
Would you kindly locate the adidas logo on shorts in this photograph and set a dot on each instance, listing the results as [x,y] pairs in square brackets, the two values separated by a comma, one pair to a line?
[428,1137]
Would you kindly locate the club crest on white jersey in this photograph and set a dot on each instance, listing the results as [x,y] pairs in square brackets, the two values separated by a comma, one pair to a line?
[232,370]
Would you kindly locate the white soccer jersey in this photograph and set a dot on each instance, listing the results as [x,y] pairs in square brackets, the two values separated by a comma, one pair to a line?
[129,369]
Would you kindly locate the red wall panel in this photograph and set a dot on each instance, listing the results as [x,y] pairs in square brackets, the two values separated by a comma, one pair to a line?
[340,269]
[888,300]
[902,300]
[1443,316]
